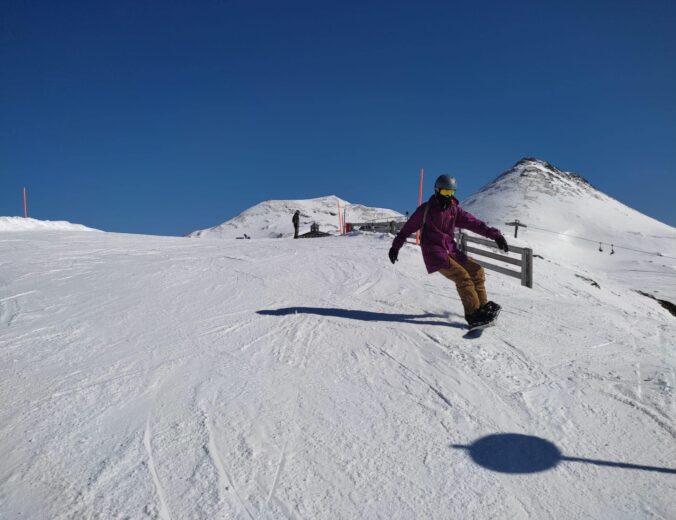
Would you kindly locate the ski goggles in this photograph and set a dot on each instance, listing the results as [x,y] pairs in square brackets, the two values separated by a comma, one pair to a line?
[446,193]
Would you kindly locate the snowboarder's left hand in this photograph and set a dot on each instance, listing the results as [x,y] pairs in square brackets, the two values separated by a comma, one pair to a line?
[502,244]
[393,254]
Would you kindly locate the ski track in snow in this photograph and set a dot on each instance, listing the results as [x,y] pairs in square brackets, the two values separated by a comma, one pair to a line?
[147,443]
[225,480]
[146,384]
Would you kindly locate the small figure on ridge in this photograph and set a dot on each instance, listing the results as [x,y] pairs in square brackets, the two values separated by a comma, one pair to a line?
[296,223]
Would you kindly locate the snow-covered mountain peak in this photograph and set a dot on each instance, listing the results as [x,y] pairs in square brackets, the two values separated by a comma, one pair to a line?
[530,175]
[565,215]
[272,218]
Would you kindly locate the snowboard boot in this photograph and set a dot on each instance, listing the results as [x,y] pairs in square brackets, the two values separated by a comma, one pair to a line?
[478,317]
[491,309]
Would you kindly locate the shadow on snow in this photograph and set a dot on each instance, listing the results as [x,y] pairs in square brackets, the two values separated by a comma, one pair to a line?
[502,452]
[516,453]
[416,319]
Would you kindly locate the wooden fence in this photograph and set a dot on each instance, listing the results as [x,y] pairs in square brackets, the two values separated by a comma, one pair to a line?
[525,262]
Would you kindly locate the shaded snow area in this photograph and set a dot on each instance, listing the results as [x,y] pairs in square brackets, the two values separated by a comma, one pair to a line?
[272,218]
[31,224]
[149,377]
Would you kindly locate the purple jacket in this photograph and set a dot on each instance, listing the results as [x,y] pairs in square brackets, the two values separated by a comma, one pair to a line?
[438,241]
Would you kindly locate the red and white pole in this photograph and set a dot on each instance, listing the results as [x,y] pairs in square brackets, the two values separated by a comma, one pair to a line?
[340,220]
[25,205]
[420,193]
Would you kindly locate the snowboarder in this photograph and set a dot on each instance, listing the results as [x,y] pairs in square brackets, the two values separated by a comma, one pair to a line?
[296,223]
[437,219]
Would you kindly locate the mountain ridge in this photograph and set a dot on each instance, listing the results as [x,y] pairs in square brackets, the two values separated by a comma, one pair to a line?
[272,218]
[538,193]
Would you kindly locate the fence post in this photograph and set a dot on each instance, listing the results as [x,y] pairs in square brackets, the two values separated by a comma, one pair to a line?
[463,242]
[527,268]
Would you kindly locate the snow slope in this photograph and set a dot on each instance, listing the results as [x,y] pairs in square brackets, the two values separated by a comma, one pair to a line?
[150,377]
[31,224]
[539,194]
[272,218]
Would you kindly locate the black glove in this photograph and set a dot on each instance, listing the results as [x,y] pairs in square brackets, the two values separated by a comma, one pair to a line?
[502,244]
[393,254]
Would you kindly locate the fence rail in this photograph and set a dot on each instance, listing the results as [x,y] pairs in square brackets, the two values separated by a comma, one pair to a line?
[525,262]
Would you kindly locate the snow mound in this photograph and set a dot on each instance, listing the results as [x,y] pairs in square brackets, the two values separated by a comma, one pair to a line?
[272,218]
[31,224]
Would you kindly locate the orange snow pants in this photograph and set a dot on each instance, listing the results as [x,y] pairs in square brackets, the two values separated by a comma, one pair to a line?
[469,279]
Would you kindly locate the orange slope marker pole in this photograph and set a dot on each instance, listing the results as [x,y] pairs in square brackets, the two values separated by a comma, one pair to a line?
[25,205]
[340,220]
[422,174]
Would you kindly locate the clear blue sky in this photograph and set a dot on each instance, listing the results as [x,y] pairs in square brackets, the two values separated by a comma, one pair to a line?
[163,117]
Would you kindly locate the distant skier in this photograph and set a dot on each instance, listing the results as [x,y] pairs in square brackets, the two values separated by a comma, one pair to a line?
[437,219]
[296,223]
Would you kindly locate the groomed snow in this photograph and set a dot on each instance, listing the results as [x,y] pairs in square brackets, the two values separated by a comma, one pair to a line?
[149,377]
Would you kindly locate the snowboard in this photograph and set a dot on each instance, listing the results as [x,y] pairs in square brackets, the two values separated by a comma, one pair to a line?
[477,330]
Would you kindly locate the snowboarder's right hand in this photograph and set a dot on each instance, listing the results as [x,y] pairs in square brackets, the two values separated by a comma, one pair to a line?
[393,254]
